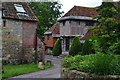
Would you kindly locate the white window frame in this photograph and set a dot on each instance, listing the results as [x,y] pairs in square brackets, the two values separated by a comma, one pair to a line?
[19,8]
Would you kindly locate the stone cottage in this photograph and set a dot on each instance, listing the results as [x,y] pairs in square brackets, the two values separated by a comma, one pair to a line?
[50,37]
[19,39]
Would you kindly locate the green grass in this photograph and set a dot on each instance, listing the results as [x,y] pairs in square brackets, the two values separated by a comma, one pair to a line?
[14,70]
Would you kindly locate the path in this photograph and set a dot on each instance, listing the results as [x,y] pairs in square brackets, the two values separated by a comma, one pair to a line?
[53,72]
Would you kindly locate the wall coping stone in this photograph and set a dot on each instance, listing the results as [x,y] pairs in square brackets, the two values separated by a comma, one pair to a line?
[66,73]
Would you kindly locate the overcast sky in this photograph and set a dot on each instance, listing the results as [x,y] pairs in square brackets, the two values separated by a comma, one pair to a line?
[68,4]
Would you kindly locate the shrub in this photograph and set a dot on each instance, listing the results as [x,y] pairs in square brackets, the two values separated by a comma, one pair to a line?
[72,62]
[117,48]
[75,47]
[57,48]
[100,64]
[87,47]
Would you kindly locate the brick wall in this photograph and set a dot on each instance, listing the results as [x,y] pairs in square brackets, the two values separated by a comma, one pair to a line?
[50,42]
[29,34]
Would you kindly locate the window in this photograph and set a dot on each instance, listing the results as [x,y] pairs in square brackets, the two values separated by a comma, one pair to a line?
[89,24]
[78,22]
[69,22]
[19,8]
[48,37]
[64,23]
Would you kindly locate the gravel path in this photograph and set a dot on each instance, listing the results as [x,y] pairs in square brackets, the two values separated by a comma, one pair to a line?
[53,72]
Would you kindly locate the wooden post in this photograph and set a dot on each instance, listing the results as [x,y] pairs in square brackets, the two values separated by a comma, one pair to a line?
[43,53]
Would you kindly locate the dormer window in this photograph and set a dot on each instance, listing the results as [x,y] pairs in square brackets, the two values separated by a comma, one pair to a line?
[19,8]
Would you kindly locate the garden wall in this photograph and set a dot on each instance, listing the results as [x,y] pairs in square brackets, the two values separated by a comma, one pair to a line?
[77,75]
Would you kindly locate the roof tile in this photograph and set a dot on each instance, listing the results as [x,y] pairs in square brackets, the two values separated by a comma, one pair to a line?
[81,11]
[55,29]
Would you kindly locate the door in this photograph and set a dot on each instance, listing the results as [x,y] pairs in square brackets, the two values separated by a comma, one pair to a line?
[67,44]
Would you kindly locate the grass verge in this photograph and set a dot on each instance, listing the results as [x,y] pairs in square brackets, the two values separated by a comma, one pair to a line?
[14,70]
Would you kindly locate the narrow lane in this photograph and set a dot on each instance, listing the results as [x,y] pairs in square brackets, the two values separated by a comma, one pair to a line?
[53,72]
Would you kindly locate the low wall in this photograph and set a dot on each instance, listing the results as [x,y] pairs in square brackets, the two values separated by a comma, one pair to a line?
[77,75]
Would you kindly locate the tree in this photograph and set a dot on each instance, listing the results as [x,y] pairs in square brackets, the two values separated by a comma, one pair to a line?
[87,47]
[57,50]
[47,13]
[75,47]
[108,29]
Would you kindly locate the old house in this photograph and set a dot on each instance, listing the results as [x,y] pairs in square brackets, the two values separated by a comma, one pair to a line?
[76,23]
[51,36]
[19,38]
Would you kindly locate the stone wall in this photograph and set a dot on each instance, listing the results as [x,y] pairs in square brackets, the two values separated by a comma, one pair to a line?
[0,38]
[77,75]
[48,51]
[74,27]
[12,41]
[30,54]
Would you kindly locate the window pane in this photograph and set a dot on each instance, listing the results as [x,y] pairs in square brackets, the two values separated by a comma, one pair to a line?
[19,8]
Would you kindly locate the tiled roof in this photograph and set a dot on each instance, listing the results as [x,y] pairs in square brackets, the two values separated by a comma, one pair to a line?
[55,29]
[9,11]
[39,42]
[87,35]
[81,11]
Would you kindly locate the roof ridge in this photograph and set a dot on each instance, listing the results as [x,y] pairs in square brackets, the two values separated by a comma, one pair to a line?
[84,7]
[81,11]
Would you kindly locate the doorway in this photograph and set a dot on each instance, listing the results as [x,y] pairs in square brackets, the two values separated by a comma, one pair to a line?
[67,44]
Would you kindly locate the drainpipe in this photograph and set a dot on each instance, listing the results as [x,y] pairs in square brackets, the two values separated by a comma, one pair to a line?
[36,56]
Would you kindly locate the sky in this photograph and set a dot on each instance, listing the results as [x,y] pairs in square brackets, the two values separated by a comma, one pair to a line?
[68,4]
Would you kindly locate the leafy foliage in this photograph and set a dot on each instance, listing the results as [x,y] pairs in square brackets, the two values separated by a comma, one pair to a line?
[100,64]
[106,44]
[108,30]
[87,47]
[57,48]
[76,46]
[47,13]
